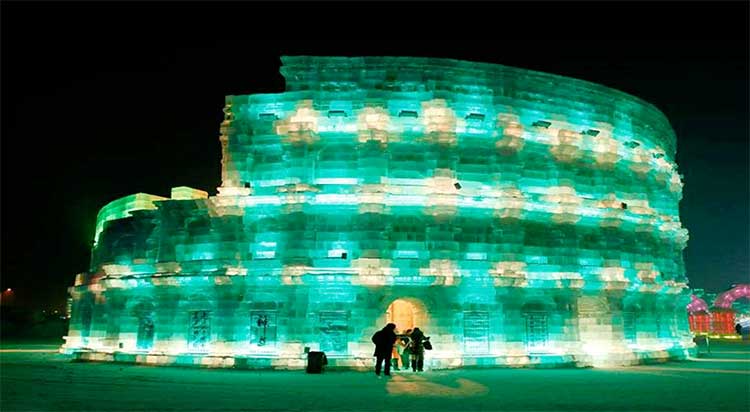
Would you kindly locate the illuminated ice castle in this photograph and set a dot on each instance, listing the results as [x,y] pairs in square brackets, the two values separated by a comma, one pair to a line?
[516,217]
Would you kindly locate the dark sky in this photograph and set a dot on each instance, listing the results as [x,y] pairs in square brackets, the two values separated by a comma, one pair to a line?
[102,100]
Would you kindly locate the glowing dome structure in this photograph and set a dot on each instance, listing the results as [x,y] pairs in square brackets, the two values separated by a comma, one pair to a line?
[516,217]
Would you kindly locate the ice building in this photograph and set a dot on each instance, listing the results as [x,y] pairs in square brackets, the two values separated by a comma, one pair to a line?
[517,217]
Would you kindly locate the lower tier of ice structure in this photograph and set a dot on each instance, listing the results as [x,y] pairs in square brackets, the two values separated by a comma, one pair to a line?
[233,323]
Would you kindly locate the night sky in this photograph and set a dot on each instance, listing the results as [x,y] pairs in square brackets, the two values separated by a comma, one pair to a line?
[104,100]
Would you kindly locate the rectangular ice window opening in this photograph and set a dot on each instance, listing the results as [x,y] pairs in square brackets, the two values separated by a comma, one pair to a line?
[203,256]
[333,337]
[337,253]
[476,256]
[337,113]
[539,260]
[408,113]
[407,254]
[477,117]
[592,132]
[145,336]
[476,332]
[267,117]
[199,332]
[537,332]
[265,254]
[263,331]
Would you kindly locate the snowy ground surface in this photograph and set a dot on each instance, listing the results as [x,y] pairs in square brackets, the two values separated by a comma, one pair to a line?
[34,378]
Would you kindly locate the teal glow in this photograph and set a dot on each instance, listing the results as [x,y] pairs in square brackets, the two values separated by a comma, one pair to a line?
[121,208]
[523,223]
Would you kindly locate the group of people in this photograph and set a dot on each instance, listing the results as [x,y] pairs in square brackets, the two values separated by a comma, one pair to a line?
[392,349]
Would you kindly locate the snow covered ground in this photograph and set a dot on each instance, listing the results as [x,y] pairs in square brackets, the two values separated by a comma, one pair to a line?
[35,378]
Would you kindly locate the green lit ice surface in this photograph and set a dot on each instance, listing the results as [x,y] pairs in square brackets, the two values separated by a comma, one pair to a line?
[121,208]
[517,217]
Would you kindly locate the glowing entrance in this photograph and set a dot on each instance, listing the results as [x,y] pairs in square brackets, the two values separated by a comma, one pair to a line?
[406,314]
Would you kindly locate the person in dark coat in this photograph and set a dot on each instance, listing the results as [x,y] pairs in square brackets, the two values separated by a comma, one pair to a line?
[384,340]
[417,350]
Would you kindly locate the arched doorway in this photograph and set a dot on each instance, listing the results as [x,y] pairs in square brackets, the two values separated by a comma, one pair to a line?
[406,313]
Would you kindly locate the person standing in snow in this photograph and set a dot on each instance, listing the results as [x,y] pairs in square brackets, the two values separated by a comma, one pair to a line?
[417,350]
[395,357]
[404,349]
[384,340]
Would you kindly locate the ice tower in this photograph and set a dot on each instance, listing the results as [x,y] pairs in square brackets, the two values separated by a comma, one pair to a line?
[517,217]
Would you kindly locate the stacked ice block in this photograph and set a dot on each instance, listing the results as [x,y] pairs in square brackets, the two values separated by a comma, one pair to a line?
[528,217]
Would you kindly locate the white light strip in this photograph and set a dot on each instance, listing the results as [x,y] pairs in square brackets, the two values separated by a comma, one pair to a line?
[336,181]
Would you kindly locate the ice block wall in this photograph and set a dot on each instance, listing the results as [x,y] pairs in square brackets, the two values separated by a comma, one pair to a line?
[517,217]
